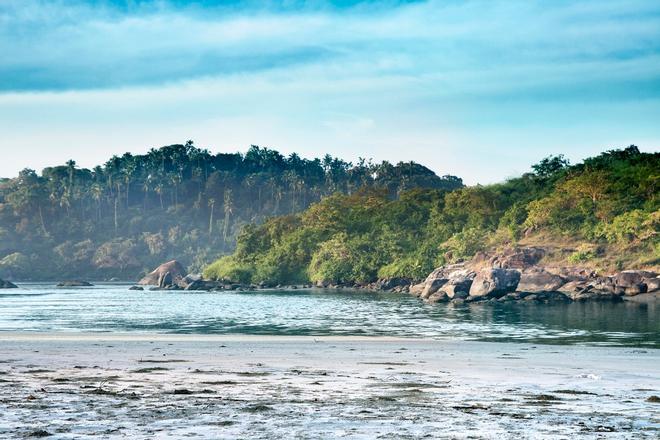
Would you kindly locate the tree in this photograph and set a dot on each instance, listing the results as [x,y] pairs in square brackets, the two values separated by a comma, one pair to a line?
[550,166]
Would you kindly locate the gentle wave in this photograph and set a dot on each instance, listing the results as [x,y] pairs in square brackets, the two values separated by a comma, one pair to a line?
[113,308]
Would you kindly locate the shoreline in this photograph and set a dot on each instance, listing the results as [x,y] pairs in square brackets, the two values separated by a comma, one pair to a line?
[340,387]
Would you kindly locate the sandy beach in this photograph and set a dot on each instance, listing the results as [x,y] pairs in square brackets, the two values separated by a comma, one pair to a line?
[190,386]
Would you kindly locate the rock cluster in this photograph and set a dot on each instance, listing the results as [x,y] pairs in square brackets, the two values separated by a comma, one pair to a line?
[516,275]
[512,275]
[7,285]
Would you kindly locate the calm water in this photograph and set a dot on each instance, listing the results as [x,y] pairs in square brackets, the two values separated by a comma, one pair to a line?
[113,308]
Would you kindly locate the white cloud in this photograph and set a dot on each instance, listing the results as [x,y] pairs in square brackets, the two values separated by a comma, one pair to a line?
[473,88]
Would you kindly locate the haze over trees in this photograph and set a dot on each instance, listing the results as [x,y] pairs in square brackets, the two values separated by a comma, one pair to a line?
[179,201]
[602,213]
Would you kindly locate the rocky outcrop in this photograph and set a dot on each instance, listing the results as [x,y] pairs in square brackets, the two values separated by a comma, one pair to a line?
[7,285]
[74,283]
[494,283]
[438,278]
[515,274]
[165,276]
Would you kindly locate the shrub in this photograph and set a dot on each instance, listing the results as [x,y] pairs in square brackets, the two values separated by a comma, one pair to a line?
[582,254]
[228,269]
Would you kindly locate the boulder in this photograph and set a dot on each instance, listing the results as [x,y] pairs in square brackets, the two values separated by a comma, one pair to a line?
[438,297]
[136,288]
[539,280]
[458,284]
[7,285]
[74,283]
[438,278]
[629,278]
[391,283]
[494,283]
[167,274]
[417,289]
[455,291]
[652,284]
[432,286]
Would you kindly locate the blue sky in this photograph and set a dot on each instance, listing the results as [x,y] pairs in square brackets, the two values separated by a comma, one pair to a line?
[480,89]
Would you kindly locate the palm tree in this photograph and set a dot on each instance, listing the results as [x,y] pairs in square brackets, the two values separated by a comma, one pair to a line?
[71,167]
[159,190]
[229,209]
[212,206]
[128,171]
[96,191]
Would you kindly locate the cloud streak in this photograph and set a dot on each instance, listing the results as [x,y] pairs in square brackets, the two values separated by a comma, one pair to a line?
[381,79]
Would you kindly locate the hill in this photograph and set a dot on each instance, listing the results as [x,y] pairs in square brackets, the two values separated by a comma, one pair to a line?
[602,213]
[124,217]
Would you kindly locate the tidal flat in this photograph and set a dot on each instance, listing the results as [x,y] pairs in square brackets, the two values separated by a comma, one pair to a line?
[120,385]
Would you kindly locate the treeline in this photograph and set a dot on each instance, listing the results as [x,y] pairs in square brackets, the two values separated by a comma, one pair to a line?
[178,201]
[603,212]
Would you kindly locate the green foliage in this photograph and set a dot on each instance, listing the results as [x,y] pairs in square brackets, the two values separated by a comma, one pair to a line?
[582,254]
[367,235]
[228,269]
[465,244]
[630,226]
[178,201]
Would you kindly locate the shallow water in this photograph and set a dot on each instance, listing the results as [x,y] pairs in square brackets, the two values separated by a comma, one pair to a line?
[42,307]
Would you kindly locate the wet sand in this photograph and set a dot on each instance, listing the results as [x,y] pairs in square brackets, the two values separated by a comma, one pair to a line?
[190,386]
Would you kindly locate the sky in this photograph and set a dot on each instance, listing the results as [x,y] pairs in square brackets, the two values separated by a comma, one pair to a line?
[478,89]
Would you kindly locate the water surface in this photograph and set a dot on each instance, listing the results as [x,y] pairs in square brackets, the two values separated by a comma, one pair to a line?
[42,307]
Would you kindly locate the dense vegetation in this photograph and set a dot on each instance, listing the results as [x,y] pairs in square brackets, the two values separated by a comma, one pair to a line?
[179,201]
[603,212]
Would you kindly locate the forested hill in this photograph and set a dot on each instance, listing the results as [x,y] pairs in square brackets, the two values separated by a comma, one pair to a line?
[603,213]
[179,201]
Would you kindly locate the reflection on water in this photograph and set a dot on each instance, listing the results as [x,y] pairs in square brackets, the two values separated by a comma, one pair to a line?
[42,307]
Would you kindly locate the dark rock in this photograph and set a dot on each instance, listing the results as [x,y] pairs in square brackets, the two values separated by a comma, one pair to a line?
[136,288]
[391,283]
[75,283]
[547,297]
[631,278]
[158,276]
[7,285]
[38,433]
[539,280]
[200,284]
[494,283]
[165,280]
